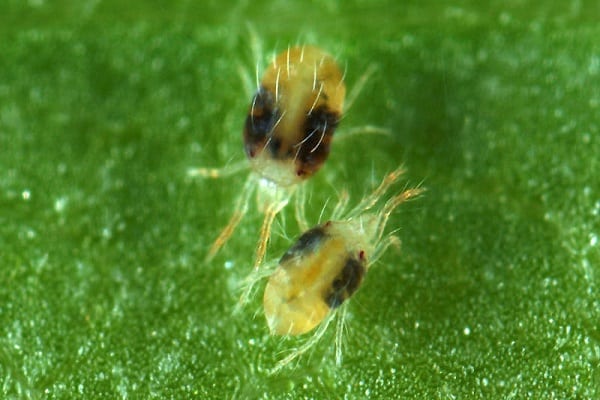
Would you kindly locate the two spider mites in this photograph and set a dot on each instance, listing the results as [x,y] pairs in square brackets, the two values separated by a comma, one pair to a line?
[287,138]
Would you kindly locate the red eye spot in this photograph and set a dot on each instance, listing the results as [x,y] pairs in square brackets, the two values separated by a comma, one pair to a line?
[361,255]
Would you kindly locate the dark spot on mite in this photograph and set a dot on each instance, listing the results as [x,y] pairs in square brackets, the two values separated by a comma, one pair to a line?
[319,127]
[306,244]
[345,284]
[262,116]
[274,146]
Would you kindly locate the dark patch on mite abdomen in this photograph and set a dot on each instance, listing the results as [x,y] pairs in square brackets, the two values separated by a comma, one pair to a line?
[306,244]
[262,116]
[346,283]
[319,127]
[274,146]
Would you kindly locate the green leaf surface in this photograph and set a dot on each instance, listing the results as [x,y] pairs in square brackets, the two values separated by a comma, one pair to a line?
[104,292]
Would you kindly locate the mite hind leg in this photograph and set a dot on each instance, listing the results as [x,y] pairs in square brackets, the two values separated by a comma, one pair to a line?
[307,345]
[299,208]
[241,208]
[271,212]
[339,333]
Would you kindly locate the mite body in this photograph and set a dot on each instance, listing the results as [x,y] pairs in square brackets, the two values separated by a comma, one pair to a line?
[326,266]
[287,135]
[316,275]
[293,115]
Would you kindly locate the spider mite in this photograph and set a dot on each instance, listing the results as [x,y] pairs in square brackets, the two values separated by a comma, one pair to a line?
[287,136]
[327,265]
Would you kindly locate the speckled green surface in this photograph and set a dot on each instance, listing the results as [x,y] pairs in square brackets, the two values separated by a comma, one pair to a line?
[103,289]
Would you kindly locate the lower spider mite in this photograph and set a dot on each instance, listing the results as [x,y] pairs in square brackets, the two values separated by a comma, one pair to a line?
[326,265]
[287,135]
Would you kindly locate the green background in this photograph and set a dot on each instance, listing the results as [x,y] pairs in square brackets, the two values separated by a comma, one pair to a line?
[103,288]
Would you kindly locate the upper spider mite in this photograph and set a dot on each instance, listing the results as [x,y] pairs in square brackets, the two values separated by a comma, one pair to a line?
[327,264]
[287,134]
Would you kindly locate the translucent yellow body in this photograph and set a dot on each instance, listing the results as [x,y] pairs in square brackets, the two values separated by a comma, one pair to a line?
[327,264]
[301,292]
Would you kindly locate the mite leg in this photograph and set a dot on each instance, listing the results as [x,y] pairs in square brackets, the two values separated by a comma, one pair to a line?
[367,129]
[339,334]
[252,84]
[390,205]
[250,282]
[241,207]
[265,230]
[358,87]
[383,245]
[363,130]
[306,345]
[369,201]
[341,205]
[218,172]
[299,209]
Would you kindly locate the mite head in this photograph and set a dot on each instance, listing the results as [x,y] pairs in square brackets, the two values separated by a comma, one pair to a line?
[294,114]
